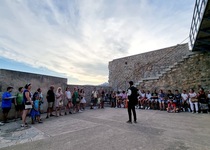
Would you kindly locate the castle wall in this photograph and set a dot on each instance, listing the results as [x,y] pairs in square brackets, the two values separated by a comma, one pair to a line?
[19,79]
[145,65]
[193,72]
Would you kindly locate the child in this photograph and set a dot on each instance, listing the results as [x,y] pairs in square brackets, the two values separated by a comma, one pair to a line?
[35,114]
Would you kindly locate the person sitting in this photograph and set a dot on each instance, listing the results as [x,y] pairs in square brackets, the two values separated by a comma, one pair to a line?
[203,102]
[171,104]
[185,101]
[162,100]
[177,101]
[154,100]
[142,99]
[148,100]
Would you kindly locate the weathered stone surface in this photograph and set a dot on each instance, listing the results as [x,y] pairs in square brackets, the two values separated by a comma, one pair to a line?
[145,65]
[191,73]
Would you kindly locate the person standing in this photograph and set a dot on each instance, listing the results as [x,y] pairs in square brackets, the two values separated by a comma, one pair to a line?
[27,103]
[6,103]
[132,101]
[50,99]
[19,103]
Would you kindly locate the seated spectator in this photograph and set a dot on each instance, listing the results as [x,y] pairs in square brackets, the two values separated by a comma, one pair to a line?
[154,100]
[193,100]
[124,97]
[143,99]
[185,101]
[148,100]
[177,101]
[162,100]
[171,104]
[203,102]
[208,96]
[119,99]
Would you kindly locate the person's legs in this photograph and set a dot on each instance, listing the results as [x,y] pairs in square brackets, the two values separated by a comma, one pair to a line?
[192,107]
[134,113]
[129,113]
[25,112]
[196,107]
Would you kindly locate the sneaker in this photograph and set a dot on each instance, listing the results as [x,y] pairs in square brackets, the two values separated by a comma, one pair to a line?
[80,111]
[145,108]
[148,108]
[142,107]
[196,112]
[70,112]
[47,117]
[24,125]
[188,109]
[129,122]
[1,124]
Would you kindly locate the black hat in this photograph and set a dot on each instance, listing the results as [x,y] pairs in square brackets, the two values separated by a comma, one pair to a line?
[131,82]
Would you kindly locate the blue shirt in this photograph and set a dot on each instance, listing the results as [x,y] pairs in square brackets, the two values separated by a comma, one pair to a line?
[6,103]
[36,104]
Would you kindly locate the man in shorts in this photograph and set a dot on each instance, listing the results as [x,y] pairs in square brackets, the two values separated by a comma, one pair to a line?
[50,99]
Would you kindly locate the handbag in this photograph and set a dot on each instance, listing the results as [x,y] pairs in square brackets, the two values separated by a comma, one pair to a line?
[77,100]
[28,106]
[194,100]
[60,103]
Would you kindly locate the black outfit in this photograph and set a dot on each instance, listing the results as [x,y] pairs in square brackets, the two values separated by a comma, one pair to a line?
[133,100]
[50,96]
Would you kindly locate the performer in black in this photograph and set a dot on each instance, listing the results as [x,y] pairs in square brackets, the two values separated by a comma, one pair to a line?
[132,101]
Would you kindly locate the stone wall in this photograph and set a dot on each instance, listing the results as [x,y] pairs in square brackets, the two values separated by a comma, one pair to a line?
[145,65]
[19,79]
[192,72]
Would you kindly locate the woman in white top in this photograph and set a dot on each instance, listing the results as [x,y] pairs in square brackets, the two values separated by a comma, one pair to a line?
[83,101]
[68,100]
[185,102]
[192,94]
[58,101]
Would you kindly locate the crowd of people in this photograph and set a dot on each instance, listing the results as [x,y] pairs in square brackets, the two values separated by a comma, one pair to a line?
[169,101]
[31,104]
[70,102]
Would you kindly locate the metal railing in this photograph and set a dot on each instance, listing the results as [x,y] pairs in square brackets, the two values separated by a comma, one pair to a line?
[200,6]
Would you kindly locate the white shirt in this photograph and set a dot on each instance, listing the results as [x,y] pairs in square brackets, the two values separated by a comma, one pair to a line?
[68,94]
[184,96]
[148,95]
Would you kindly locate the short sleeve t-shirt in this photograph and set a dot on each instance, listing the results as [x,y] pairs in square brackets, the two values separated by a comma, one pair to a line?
[19,98]
[6,103]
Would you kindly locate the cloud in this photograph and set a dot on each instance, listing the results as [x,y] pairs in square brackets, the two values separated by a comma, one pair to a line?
[79,38]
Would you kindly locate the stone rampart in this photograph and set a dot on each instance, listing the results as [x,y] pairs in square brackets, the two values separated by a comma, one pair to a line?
[19,79]
[145,65]
[192,72]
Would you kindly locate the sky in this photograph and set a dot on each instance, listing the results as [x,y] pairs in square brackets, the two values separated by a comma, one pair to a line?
[76,39]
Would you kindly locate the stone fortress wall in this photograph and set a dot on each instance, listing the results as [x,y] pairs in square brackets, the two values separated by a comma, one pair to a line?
[170,68]
[19,79]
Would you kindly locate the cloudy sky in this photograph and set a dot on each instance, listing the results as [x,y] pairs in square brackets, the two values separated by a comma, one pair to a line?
[76,39]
